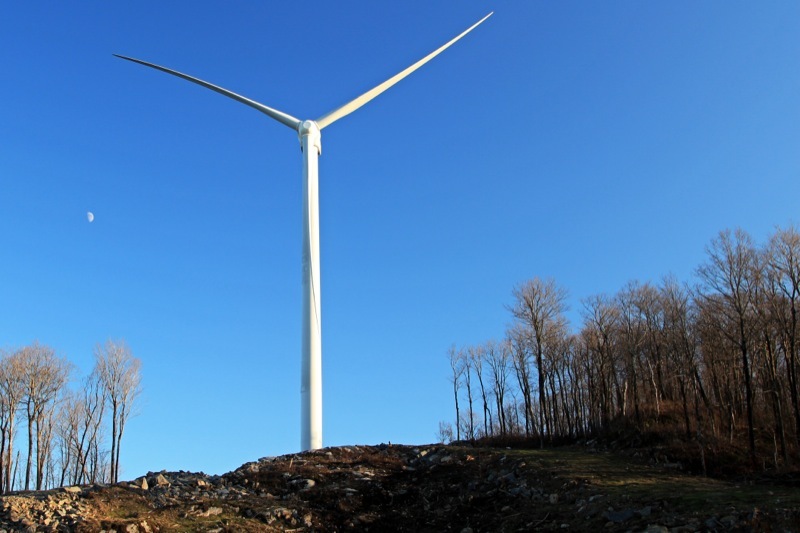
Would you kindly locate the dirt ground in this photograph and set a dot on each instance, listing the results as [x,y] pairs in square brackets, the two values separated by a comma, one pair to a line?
[418,488]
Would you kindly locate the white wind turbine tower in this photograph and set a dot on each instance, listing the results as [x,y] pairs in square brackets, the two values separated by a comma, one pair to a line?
[309,133]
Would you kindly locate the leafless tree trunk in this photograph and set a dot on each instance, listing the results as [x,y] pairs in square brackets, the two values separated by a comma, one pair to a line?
[519,361]
[497,358]
[93,403]
[680,340]
[477,354]
[79,426]
[466,362]
[44,445]
[11,394]
[783,260]
[539,307]
[601,318]
[119,372]
[66,430]
[633,301]
[731,273]
[44,377]
[455,378]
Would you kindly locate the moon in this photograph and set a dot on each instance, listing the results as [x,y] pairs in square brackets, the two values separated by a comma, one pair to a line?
[89,216]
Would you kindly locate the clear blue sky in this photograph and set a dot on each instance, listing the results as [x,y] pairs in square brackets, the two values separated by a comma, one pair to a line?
[592,142]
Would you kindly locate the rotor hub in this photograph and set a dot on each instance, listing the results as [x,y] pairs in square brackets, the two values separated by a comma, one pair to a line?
[309,134]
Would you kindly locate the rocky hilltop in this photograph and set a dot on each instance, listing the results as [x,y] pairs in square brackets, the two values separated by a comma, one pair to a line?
[416,488]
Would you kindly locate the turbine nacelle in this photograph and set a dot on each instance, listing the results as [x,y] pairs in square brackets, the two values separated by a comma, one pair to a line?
[309,129]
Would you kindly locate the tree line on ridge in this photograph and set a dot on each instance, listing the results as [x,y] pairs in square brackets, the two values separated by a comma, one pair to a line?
[718,357]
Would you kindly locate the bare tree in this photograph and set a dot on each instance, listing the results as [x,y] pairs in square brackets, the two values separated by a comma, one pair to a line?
[67,425]
[601,319]
[770,308]
[783,260]
[79,428]
[445,433]
[650,305]
[520,362]
[119,373]
[721,363]
[731,272]
[93,402]
[44,375]
[560,383]
[681,338]
[455,378]
[466,362]
[578,377]
[633,335]
[11,394]
[497,358]
[539,306]
[477,355]
[45,464]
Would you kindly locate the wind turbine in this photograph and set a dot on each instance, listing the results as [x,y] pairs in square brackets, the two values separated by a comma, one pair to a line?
[310,144]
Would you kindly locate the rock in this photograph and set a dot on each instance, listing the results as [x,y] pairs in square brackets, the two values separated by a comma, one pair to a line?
[360,488]
[619,517]
[160,481]
[303,484]
[509,478]
[520,491]
[282,512]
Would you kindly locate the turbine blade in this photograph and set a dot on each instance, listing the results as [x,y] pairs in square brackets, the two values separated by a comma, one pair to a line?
[351,106]
[281,117]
